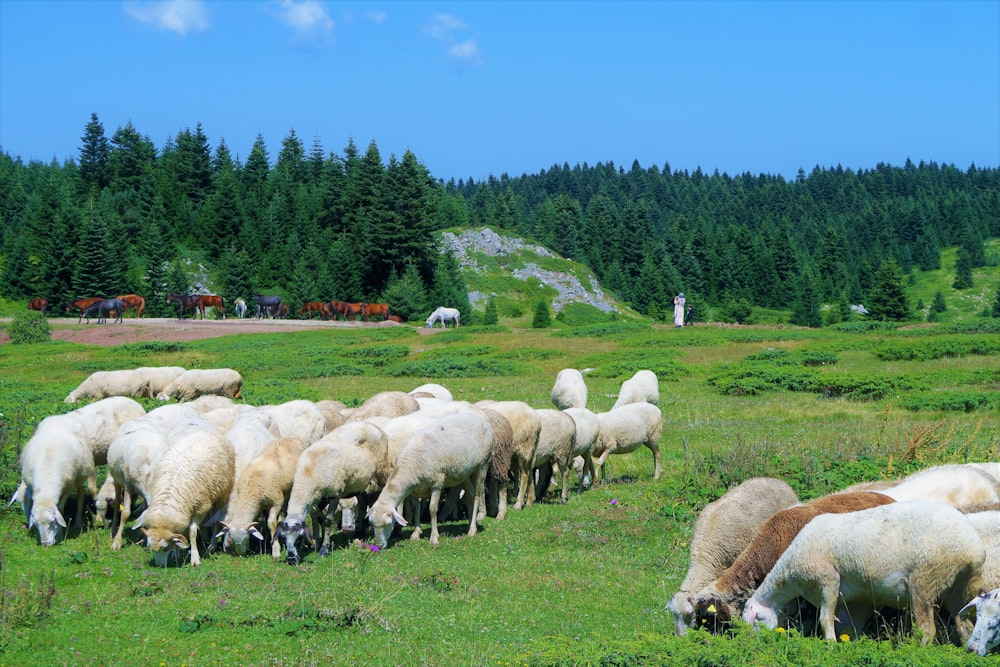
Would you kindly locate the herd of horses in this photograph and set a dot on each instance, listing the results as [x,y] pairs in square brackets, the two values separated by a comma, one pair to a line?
[270,306]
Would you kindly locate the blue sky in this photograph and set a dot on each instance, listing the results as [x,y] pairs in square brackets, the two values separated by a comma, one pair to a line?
[480,88]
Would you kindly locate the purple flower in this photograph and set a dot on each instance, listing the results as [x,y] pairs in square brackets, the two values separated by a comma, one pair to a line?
[614,501]
[374,548]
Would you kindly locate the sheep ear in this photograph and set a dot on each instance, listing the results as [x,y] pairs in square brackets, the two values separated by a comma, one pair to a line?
[31,521]
[398,517]
[179,540]
[256,533]
[59,519]
[969,606]
[139,522]
[309,535]
[221,533]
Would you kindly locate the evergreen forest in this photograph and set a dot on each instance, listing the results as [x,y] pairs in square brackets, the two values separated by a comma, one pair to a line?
[314,225]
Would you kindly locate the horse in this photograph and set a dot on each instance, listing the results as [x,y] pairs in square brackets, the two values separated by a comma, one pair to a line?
[241,308]
[338,308]
[352,311]
[105,307]
[396,318]
[445,315]
[369,310]
[268,304]
[283,311]
[310,307]
[214,302]
[134,302]
[40,305]
[185,301]
[82,305]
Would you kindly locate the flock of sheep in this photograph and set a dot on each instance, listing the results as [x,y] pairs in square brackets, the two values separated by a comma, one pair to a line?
[924,544]
[209,463]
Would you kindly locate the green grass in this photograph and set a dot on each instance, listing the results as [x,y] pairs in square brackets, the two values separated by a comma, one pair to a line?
[584,583]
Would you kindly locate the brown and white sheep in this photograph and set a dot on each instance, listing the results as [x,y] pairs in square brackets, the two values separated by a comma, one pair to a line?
[526,426]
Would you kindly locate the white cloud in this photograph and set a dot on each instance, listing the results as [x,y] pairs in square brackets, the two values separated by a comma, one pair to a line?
[448,28]
[443,26]
[180,16]
[467,52]
[307,18]
[376,17]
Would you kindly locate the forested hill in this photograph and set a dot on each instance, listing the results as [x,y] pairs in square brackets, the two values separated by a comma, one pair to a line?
[128,216]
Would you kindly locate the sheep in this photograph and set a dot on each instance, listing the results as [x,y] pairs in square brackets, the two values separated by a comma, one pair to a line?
[966,487]
[454,450]
[435,390]
[498,473]
[101,384]
[348,460]
[985,634]
[625,429]
[158,378]
[643,387]
[252,432]
[209,402]
[719,602]
[386,403]
[332,412]
[556,441]
[104,499]
[224,418]
[569,391]
[526,426]
[298,419]
[190,483]
[588,428]
[133,454]
[55,462]
[913,555]
[987,524]
[991,467]
[98,422]
[723,529]
[263,485]
[197,382]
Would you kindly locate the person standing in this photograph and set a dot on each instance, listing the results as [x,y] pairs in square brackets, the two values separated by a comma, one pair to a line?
[679,301]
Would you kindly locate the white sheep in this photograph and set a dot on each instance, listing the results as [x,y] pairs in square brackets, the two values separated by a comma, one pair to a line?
[196,382]
[905,555]
[298,419]
[332,412]
[101,384]
[158,378]
[55,462]
[526,426]
[252,432]
[190,483]
[965,487]
[625,429]
[263,485]
[225,417]
[723,529]
[385,403]
[588,428]
[643,387]
[437,391]
[985,634]
[208,402]
[97,423]
[556,441]
[569,391]
[348,460]
[454,450]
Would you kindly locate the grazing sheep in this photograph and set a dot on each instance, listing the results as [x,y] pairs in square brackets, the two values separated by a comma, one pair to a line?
[224,418]
[454,450]
[332,412]
[252,432]
[985,634]
[991,467]
[101,384]
[197,382]
[97,423]
[103,500]
[498,474]
[435,390]
[965,487]
[190,483]
[987,524]
[720,601]
[349,460]
[209,402]
[526,426]
[55,462]
[625,429]
[298,419]
[263,485]
[723,529]
[643,387]
[569,391]
[158,378]
[387,404]
[588,428]
[909,555]
[556,441]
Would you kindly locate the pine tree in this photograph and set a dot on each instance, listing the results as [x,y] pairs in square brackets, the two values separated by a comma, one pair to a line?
[490,314]
[886,299]
[94,156]
[996,303]
[939,305]
[407,295]
[963,269]
[542,318]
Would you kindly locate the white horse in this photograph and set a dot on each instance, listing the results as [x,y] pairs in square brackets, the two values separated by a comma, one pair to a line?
[241,308]
[445,315]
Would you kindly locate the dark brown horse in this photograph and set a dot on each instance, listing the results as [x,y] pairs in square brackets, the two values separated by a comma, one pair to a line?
[338,309]
[185,301]
[310,307]
[370,310]
[81,305]
[214,302]
[352,311]
[134,302]
[40,305]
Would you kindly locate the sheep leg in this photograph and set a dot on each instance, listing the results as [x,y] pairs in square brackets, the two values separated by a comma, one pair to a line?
[588,467]
[272,525]
[193,537]
[830,592]
[566,467]
[415,504]
[598,463]
[524,478]
[657,469]
[433,508]
[923,617]
[478,489]
[123,509]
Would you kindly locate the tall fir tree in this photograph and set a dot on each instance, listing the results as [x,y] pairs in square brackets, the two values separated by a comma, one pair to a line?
[94,156]
[886,299]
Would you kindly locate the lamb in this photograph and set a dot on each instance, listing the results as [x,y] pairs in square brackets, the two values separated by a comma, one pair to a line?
[197,382]
[985,634]
[719,602]
[643,387]
[588,428]
[909,555]
[264,485]
[349,460]
[190,483]
[55,462]
[101,384]
[104,499]
[385,403]
[569,391]
[965,487]
[556,441]
[454,450]
[723,529]
[526,426]
[625,429]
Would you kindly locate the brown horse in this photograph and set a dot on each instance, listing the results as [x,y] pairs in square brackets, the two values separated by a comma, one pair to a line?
[81,305]
[310,307]
[283,311]
[370,310]
[214,302]
[40,305]
[185,301]
[338,309]
[133,302]
[352,311]
[396,318]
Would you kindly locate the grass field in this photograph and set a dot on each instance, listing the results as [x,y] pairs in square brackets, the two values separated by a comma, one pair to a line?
[581,583]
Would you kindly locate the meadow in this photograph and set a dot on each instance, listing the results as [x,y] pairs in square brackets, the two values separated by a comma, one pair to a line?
[585,583]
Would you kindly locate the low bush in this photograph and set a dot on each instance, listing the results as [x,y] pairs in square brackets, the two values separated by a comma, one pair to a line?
[29,327]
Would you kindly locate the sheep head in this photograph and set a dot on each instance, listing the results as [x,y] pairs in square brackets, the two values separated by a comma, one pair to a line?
[712,614]
[383,517]
[165,544]
[292,530]
[49,523]
[986,634]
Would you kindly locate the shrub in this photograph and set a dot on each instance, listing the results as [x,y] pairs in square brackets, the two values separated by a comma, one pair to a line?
[490,315]
[29,327]
[542,318]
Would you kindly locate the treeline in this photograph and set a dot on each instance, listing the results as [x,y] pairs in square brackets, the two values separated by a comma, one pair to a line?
[313,225]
